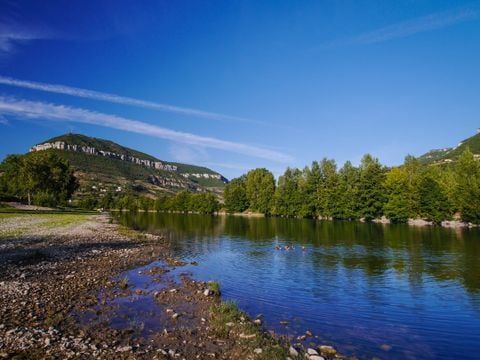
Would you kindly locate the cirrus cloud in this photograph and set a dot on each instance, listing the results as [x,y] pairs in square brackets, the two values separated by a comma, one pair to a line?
[48,111]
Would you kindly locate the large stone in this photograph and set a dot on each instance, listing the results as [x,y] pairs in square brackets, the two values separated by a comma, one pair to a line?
[311,351]
[327,350]
[293,352]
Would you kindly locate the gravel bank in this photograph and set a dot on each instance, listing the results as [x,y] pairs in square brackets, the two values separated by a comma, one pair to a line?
[51,276]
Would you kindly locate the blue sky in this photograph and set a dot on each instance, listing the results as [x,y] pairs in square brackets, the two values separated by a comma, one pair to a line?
[234,85]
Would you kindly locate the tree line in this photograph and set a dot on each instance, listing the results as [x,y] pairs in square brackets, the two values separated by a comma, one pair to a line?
[322,190]
[369,191]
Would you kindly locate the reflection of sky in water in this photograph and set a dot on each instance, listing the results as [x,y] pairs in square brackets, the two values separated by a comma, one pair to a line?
[357,286]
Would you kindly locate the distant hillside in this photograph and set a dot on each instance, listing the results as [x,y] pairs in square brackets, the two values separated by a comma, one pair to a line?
[107,166]
[448,155]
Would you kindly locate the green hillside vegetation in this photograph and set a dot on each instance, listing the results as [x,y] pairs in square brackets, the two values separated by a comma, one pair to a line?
[100,144]
[113,171]
[107,145]
[440,155]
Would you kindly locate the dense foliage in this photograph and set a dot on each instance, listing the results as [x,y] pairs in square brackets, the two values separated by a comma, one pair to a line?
[369,191]
[40,178]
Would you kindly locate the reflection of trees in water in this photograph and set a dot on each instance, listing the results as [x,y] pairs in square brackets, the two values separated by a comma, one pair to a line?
[414,252]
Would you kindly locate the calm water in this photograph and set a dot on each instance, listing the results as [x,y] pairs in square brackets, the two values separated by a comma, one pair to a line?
[370,290]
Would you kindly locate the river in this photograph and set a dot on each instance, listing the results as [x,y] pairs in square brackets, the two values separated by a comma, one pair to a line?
[370,290]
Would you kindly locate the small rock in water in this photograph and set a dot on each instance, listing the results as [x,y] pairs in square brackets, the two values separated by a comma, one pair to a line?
[257,322]
[327,350]
[385,347]
[174,316]
[308,333]
[169,311]
[173,290]
[258,351]
[302,337]
[284,322]
[311,351]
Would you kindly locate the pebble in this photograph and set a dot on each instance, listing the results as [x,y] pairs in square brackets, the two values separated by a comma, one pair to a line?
[124,349]
[257,322]
[207,292]
[258,351]
[175,315]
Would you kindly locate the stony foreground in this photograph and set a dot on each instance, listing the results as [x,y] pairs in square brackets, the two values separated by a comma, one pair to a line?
[57,272]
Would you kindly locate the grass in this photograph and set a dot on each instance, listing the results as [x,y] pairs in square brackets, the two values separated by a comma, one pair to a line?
[214,287]
[23,223]
[123,284]
[226,317]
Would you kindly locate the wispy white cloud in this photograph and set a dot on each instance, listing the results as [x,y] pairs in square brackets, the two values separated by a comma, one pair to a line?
[3,120]
[12,34]
[414,26]
[48,111]
[112,98]
[187,154]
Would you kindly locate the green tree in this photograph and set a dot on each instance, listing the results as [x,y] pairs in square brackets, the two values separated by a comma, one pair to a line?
[370,190]
[433,202]
[327,190]
[145,203]
[396,188]
[182,202]
[308,185]
[260,189]
[468,187]
[235,195]
[39,177]
[348,179]
[288,201]
[106,202]
[204,203]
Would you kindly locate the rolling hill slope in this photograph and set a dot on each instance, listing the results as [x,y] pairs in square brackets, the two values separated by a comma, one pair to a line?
[447,155]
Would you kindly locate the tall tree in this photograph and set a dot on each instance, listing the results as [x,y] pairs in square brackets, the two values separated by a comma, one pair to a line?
[235,195]
[370,188]
[309,183]
[260,189]
[288,200]
[468,187]
[327,191]
[348,178]
[433,201]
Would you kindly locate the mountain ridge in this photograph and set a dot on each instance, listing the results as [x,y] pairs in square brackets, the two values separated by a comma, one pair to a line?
[113,166]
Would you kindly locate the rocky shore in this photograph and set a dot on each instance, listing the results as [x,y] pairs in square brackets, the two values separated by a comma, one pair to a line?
[57,283]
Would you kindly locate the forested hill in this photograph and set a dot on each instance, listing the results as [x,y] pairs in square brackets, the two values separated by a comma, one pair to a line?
[103,164]
[451,154]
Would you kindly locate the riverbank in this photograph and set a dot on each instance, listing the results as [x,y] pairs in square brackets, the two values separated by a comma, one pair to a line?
[57,269]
